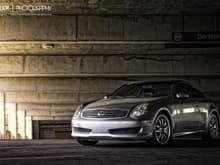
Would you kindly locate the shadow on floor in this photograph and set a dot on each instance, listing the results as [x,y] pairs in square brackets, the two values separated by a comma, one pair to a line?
[177,143]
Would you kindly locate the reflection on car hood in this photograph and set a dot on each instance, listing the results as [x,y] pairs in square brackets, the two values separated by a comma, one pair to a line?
[120,103]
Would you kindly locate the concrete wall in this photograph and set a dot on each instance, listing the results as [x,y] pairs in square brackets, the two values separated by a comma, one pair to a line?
[103,27]
[47,84]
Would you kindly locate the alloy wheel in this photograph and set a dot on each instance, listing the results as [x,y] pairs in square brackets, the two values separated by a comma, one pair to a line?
[213,126]
[162,129]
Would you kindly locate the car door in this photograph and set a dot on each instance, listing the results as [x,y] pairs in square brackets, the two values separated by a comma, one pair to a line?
[201,105]
[186,114]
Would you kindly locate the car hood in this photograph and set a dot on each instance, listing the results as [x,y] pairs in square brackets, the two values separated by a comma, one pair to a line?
[120,103]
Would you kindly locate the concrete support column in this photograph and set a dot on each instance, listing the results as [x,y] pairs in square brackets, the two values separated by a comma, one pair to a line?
[29,133]
[11,113]
[2,116]
[21,124]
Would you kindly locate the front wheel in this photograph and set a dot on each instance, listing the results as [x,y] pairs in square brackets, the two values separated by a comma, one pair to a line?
[213,128]
[87,142]
[162,130]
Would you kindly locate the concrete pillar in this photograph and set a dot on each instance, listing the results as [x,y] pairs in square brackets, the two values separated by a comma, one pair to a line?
[2,116]
[21,124]
[11,112]
[29,134]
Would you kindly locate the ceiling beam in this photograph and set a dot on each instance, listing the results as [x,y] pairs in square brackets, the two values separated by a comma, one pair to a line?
[54,48]
[84,75]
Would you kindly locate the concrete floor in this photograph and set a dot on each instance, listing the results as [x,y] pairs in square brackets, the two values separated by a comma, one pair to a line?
[66,152]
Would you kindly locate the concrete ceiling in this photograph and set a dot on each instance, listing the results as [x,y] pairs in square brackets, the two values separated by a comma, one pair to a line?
[139,7]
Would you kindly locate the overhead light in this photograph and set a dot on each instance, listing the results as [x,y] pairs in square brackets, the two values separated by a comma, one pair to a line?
[48,46]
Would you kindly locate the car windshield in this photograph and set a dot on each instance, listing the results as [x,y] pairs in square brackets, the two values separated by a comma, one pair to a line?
[143,90]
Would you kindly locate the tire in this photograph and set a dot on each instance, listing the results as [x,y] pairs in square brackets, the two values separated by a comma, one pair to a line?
[162,130]
[87,142]
[213,128]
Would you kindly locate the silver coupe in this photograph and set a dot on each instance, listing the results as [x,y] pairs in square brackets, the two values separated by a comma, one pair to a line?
[153,111]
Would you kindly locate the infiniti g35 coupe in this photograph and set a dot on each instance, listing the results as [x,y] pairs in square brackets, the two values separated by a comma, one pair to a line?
[155,111]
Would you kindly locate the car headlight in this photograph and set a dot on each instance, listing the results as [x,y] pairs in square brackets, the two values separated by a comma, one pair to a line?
[139,111]
[77,112]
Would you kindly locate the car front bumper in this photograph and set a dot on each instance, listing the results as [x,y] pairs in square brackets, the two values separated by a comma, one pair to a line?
[112,129]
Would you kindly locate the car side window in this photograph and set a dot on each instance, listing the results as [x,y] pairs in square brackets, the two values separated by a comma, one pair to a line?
[182,91]
[181,88]
[188,89]
[194,93]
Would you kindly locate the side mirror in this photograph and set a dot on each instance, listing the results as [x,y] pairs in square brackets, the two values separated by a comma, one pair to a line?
[182,96]
[106,96]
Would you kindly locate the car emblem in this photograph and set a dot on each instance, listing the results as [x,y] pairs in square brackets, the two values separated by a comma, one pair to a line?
[100,113]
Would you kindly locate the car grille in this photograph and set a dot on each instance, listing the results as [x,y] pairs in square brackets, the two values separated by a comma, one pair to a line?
[122,131]
[104,113]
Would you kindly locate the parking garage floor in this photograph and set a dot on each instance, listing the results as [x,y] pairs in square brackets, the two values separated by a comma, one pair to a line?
[69,152]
